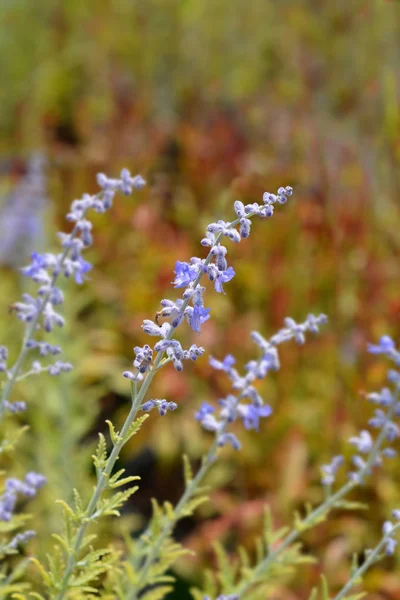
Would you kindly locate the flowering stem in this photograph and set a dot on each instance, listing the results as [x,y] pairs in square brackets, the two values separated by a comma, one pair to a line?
[323,508]
[103,479]
[168,527]
[101,485]
[31,328]
[155,544]
[371,557]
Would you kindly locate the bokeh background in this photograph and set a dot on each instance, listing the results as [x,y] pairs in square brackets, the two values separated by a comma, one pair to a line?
[212,101]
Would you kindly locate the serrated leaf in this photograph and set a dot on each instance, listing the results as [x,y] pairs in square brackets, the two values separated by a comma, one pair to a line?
[78,502]
[63,542]
[115,482]
[114,435]
[67,509]
[191,505]
[187,470]
[109,506]
[324,588]
[100,458]
[157,593]
[45,576]
[134,428]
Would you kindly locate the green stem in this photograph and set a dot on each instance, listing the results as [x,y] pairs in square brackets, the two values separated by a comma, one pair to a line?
[169,526]
[371,558]
[329,503]
[31,328]
[138,398]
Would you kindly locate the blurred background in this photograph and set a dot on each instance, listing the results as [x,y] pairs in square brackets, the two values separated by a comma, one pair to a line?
[212,101]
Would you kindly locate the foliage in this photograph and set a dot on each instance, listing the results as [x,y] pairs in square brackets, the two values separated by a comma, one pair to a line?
[222,93]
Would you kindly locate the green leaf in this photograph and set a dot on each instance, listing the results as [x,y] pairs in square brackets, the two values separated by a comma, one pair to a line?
[157,594]
[134,428]
[114,435]
[187,470]
[100,458]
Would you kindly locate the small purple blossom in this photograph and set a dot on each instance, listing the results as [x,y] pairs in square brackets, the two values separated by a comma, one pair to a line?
[329,471]
[184,274]
[199,316]
[20,538]
[13,487]
[251,414]
[224,365]
[223,277]
[385,346]
[388,529]
[162,405]
[45,269]
[204,410]
[363,442]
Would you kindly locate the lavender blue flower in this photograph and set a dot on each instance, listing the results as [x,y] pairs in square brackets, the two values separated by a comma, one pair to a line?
[385,346]
[38,312]
[3,359]
[184,274]
[13,487]
[204,410]
[329,471]
[20,538]
[380,447]
[162,405]
[388,529]
[225,365]
[15,407]
[363,442]
[233,406]
[188,276]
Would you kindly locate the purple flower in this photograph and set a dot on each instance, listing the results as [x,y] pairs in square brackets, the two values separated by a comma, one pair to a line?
[385,346]
[199,316]
[329,471]
[251,414]
[81,267]
[205,409]
[229,438]
[185,274]
[38,262]
[225,365]
[363,442]
[223,277]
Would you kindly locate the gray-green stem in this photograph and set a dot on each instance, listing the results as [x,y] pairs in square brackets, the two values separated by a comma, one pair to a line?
[371,558]
[137,401]
[31,328]
[323,508]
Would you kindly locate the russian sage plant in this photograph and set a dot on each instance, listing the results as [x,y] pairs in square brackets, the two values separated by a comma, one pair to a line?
[78,566]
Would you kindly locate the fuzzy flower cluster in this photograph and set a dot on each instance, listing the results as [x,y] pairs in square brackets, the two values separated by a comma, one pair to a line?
[370,450]
[389,530]
[41,311]
[233,406]
[29,487]
[190,307]
[19,539]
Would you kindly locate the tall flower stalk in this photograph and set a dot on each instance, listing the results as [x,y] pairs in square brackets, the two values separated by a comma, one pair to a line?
[168,349]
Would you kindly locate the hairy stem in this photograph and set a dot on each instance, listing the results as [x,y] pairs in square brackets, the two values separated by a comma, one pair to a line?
[137,401]
[323,508]
[32,326]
